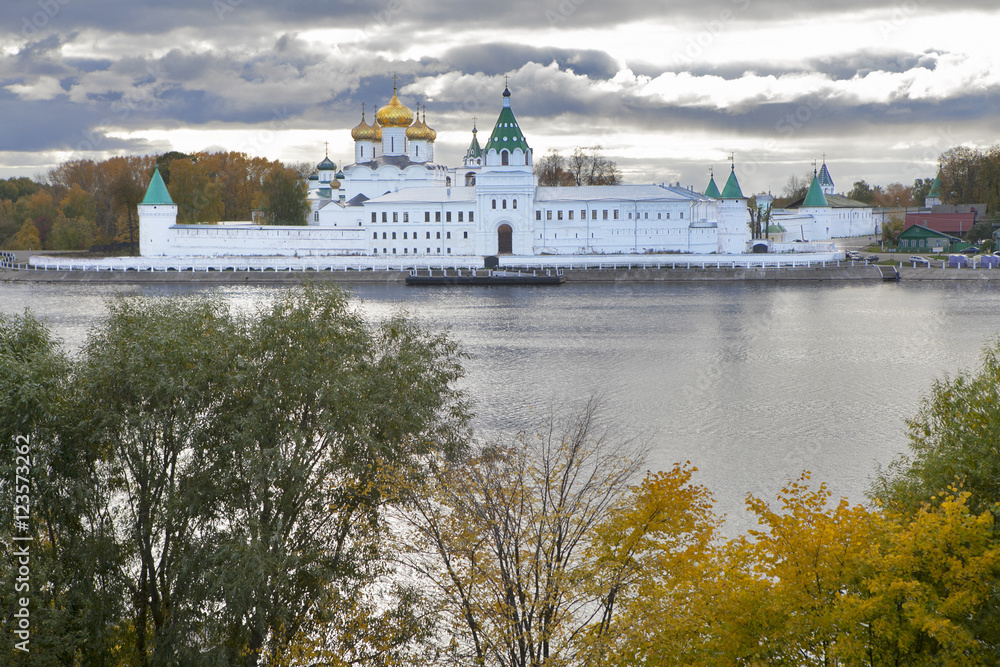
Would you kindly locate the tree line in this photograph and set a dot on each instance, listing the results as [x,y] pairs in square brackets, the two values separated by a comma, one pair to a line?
[82,203]
[299,486]
[586,166]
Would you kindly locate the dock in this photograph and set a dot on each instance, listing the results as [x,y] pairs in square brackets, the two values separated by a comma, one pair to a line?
[486,277]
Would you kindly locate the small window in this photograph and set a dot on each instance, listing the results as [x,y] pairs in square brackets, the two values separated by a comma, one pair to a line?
[548,215]
[630,215]
[375,235]
[394,238]
[682,215]
[427,216]
[316,216]
[461,214]
[383,235]
[447,235]
[449,251]
[471,219]
[447,216]
[504,158]
[505,204]
[583,214]
[494,203]
[513,203]
[659,214]
[395,216]
[605,214]
[393,251]
[384,218]
[437,216]
[438,235]
[428,251]
[406,251]
[373,216]
[559,214]
[593,214]
[404,236]
[538,215]
[616,214]
[465,235]
[571,214]
[406,217]
[647,215]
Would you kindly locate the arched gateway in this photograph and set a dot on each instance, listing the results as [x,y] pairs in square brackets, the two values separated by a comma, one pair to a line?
[505,240]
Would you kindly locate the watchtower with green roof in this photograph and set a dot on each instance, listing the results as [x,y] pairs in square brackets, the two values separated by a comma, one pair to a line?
[733,217]
[157,213]
[505,189]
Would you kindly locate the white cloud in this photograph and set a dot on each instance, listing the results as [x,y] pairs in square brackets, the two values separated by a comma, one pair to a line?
[42,88]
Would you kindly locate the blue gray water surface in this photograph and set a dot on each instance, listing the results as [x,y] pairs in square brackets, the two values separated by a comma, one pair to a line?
[752,383]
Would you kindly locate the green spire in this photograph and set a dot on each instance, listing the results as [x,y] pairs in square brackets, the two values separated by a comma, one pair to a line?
[936,186]
[474,149]
[157,192]
[506,132]
[732,189]
[815,196]
[712,190]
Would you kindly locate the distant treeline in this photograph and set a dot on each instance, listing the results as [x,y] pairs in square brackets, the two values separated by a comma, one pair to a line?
[83,203]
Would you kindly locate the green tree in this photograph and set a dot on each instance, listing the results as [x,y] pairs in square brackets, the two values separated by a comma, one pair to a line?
[283,198]
[27,238]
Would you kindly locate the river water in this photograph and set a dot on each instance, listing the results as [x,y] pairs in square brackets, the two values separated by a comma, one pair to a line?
[751,382]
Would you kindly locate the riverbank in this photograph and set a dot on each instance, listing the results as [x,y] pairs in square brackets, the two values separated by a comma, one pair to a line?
[858,272]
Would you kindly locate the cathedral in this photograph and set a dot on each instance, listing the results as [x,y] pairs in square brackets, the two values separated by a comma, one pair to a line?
[395,201]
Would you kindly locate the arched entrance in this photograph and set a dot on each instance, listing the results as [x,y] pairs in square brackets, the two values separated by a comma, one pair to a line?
[505,240]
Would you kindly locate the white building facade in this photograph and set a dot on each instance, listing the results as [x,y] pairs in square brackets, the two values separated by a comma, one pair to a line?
[395,201]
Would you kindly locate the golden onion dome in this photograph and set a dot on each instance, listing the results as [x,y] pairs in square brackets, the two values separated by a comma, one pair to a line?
[377,129]
[420,132]
[363,131]
[394,114]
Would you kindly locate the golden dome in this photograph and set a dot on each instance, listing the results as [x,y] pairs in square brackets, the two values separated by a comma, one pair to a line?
[363,131]
[419,130]
[394,114]
[377,129]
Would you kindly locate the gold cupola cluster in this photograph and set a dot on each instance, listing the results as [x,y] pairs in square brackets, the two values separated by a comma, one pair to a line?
[394,114]
[419,131]
[365,132]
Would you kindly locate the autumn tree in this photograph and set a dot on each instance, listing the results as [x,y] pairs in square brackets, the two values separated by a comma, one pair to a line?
[551,170]
[894,195]
[588,166]
[863,192]
[283,197]
[505,541]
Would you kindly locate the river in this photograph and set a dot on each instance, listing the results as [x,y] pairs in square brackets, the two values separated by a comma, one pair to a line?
[751,382]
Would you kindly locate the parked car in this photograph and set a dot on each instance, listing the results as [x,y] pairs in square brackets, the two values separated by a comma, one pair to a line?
[970,251]
[871,259]
[853,254]
[918,259]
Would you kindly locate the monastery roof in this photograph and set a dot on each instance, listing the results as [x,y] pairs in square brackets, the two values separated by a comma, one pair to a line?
[398,161]
[732,189]
[815,198]
[427,195]
[834,201]
[157,192]
[618,193]
[506,132]
[712,190]
[824,177]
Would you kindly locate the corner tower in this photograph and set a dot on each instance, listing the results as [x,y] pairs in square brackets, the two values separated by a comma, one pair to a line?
[733,217]
[157,213]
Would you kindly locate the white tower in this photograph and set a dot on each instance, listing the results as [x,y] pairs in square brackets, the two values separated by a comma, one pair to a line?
[505,190]
[733,218]
[157,213]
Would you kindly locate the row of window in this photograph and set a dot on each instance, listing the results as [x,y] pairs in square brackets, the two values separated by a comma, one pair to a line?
[504,202]
[427,216]
[406,251]
[465,235]
[593,215]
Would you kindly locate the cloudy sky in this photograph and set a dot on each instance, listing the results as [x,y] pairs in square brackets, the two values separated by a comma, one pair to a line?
[669,88]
